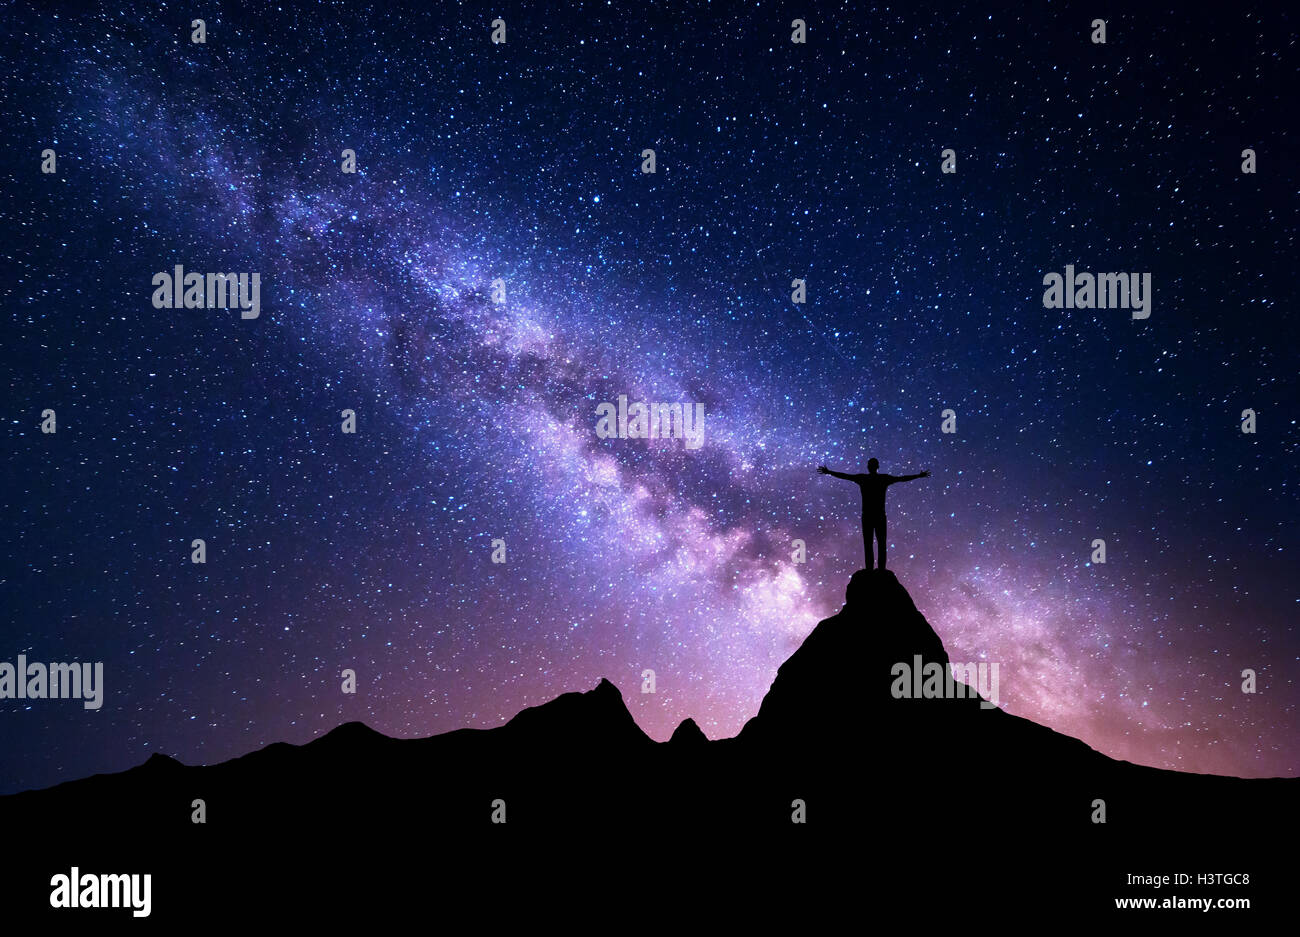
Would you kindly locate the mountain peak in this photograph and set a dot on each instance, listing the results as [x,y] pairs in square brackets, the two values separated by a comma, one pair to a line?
[825,688]
[158,761]
[598,716]
[866,581]
[688,734]
[351,732]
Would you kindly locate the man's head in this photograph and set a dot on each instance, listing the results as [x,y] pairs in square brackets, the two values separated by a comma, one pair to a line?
[872,465]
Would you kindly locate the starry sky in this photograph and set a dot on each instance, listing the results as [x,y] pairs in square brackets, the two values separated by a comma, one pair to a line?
[476,420]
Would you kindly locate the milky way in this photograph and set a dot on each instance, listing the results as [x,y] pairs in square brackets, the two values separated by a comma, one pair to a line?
[476,419]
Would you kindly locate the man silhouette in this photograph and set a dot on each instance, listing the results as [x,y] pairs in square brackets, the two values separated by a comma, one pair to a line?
[873,487]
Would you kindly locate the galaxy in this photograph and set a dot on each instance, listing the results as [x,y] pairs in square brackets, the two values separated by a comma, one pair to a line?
[499,266]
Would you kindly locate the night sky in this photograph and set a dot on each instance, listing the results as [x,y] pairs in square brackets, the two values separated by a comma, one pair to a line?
[476,420]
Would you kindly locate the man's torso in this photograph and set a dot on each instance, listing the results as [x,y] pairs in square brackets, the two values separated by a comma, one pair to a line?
[873,493]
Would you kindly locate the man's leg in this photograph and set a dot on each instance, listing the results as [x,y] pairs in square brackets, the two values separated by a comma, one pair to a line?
[866,538]
[880,540]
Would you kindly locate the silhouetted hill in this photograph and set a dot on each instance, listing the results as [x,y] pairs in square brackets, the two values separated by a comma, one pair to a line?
[595,719]
[688,735]
[941,798]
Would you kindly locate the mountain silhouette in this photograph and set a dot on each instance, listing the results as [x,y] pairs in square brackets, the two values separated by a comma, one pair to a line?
[688,735]
[917,800]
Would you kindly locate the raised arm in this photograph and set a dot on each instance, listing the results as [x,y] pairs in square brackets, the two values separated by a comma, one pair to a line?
[825,471]
[908,478]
